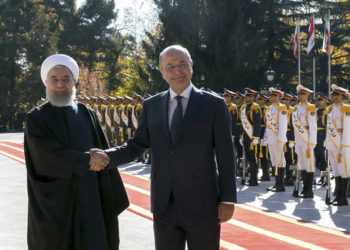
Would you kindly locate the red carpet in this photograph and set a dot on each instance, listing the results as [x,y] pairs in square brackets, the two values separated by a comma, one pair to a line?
[250,228]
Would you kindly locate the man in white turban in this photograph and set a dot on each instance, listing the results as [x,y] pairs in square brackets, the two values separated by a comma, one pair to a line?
[70,205]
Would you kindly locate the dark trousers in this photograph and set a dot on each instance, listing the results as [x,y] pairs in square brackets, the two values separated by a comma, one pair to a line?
[172,231]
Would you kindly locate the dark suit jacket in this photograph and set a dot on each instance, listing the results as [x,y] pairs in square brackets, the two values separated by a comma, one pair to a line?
[188,168]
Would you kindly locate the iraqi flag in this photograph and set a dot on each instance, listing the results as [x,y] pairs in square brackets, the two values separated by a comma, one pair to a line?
[295,41]
[326,35]
[311,36]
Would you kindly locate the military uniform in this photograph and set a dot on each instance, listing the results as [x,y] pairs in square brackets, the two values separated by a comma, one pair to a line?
[238,146]
[338,146]
[305,131]
[275,137]
[320,150]
[263,148]
[109,111]
[251,122]
[232,108]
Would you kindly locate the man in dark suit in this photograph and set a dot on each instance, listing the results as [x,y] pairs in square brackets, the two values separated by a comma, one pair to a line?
[193,186]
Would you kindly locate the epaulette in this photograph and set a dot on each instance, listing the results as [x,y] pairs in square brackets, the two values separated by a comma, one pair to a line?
[254,106]
[281,107]
[310,107]
[329,108]
[103,107]
[139,106]
[232,107]
[325,111]
[121,107]
[345,108]
[290,110]
[111,107]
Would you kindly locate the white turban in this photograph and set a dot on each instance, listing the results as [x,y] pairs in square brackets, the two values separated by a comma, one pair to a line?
[59,59]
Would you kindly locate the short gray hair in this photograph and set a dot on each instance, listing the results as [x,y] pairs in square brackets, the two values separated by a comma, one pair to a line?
[176,47]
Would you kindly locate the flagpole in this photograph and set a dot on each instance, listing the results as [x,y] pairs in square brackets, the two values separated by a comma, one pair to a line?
[299,50]
[329,54]
[314,75]
[314,65]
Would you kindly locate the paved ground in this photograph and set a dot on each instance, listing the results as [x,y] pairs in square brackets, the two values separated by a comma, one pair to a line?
[13,206]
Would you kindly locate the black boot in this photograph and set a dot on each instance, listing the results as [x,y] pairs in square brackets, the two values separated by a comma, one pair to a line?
[342,200]
[303,178]
[265,170]
[273,171]
[288,181]
[348,193]
[279,186]
[253,180]
[336,192]
[307,190]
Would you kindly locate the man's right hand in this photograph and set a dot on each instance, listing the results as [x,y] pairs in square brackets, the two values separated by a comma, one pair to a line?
[98,159]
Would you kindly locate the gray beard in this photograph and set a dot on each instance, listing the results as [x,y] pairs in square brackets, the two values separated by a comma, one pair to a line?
[61,101]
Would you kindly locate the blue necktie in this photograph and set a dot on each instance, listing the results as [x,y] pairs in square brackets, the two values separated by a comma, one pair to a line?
[177,118]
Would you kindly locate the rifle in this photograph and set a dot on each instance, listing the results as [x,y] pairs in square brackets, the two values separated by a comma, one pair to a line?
[327,174]
[244,166]
[297,181]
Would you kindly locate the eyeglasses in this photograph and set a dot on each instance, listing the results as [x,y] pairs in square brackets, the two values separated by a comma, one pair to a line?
[181,66]
[335,93]
[301,93]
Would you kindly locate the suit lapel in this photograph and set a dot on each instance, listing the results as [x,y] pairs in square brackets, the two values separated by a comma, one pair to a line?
[164,115]
[193,106]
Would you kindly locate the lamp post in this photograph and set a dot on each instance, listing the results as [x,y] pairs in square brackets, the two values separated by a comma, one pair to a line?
[270,77]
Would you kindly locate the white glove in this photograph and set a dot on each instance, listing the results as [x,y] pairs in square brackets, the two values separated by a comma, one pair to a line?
[280,146]
[263,142]
[311,147]
[291,144]
[255,141]
[241,141]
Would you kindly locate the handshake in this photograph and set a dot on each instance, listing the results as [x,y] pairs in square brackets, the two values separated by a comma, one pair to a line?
[98,159]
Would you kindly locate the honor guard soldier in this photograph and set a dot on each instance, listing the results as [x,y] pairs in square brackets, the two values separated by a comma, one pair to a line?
[263,151]
[251,121]
[294,101]
[126,118]
[338,143]
[96,102]
[276,137]
[86,101]
[109,111]
[238,100]
[320,150]
[305,131]
[101,102]
[290,155]
[228,95]
[117,122]
[136,110]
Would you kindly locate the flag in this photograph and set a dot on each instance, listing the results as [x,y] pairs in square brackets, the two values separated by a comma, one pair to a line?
[326,35]
[311,36]
[295,42]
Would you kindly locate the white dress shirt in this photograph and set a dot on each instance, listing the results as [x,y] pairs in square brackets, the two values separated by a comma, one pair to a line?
[173,103]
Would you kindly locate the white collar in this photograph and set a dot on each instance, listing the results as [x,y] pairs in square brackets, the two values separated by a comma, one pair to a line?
[186,93]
